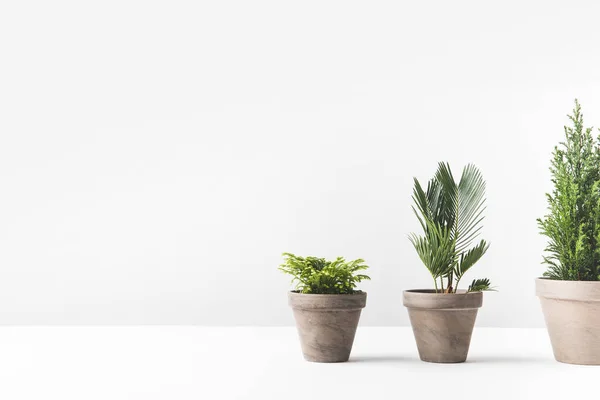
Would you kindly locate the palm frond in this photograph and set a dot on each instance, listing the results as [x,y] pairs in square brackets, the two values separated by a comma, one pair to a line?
[471,204]
[465,203]
[435,249]
[480,285]
[468,259]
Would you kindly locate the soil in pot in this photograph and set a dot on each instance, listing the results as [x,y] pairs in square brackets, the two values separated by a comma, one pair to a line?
[442,323]
[327,324]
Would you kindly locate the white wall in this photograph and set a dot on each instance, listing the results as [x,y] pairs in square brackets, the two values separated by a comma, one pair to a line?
[157,157]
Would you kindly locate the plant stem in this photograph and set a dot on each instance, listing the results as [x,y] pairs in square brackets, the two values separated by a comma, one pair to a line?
[456,287]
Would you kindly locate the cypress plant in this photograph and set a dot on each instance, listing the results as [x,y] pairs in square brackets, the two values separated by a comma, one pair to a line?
[572,224]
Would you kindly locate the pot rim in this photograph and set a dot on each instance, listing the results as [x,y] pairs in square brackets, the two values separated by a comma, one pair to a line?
[329,302]
[356,293]
[543,278]
[588,291]
[433,292]
[429,300]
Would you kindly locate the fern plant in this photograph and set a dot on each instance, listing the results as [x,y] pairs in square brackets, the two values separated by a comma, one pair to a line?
[320,276]
[450,214]
[572,224]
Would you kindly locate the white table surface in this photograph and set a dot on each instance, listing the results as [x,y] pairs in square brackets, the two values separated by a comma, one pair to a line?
[112,363]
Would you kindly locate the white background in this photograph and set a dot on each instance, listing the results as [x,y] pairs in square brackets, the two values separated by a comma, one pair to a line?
[157,157]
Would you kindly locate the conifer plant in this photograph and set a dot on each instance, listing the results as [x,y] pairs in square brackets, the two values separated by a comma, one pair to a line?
[572,224]
[569,290]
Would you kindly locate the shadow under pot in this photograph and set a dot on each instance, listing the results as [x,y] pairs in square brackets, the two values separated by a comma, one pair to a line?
[442,323]
[572,313]
[327,324]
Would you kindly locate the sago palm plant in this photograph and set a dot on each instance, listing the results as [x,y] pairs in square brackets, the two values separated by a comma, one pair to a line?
[450,214]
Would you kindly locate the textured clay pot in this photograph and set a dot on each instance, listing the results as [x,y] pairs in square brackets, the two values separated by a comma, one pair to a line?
[327,324]
[442,323]
[572,313]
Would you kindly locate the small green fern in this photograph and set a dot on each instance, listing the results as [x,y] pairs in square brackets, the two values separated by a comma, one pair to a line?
[320,276]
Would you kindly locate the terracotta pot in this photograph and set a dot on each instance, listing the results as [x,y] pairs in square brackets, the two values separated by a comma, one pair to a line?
[327,324]
[572,313]
[442,323]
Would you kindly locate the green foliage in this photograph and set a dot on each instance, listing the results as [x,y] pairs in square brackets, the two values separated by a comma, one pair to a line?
[450,214]
[572,224]
[320,276]
[479,285]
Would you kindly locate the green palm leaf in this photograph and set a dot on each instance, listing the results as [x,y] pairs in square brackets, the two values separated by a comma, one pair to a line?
[435,249]
[480,285]
[468,259]
[464,203]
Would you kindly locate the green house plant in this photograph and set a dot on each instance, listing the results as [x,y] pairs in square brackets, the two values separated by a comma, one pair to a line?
[450,214]
[326,304]
[569,290]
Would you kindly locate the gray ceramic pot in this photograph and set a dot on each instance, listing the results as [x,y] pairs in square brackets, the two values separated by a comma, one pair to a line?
[442,323]
[572,313]
[327,324]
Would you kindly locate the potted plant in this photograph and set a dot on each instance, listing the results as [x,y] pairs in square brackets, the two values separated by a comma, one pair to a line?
[450,214]
[326,304]
[569,290]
